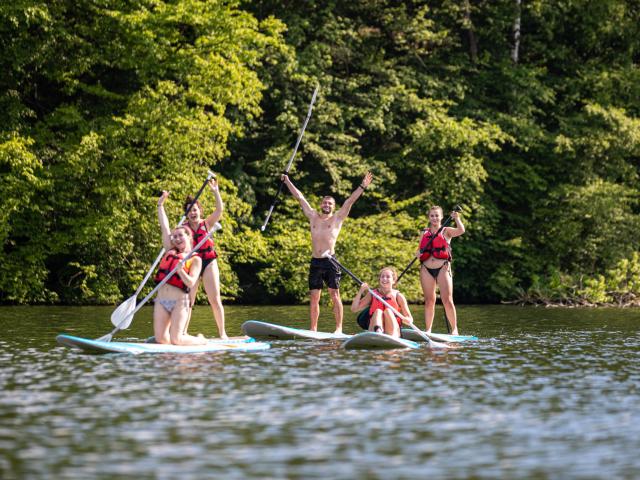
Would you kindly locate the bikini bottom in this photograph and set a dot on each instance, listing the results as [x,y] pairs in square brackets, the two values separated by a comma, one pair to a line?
[434,272]
[169,305]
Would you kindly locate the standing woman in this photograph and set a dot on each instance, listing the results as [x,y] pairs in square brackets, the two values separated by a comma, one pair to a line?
[172,307]
[435,269]
[210,273]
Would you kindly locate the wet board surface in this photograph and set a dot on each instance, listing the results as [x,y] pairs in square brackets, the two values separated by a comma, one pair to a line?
[411,334]
[259,329]
[378,340]
[214,345]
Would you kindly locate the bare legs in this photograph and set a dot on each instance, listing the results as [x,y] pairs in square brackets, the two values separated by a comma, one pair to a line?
[386,320]
[211,280]
[314,308]
[446,295]
[170,327]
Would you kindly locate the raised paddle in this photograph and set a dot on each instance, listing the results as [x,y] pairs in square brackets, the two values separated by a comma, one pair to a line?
[293,155]
[335,261]
[129,305]
[446,223]
[125,321]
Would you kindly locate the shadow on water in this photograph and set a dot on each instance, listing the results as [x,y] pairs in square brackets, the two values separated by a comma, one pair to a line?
[544,393]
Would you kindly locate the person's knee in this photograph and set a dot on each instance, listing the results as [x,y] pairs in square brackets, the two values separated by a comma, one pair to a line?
[429,302]
[335,296]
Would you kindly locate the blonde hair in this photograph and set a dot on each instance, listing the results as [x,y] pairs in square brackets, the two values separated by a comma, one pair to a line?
[393,271]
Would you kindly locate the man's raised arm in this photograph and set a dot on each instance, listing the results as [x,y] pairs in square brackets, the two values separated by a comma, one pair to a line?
[297,194]
[357,193]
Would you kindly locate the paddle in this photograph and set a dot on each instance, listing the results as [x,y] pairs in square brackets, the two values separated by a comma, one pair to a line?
[126,320]
[446,223]
[125,308]
[293,155]
[431,343]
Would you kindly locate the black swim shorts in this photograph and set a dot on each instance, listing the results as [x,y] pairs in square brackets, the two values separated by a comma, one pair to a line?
[321,271]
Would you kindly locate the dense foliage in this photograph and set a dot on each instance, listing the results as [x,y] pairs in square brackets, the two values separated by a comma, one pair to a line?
[526,113]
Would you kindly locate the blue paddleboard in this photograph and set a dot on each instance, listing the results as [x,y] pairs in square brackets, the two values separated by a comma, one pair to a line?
[258,329]
[378,340]
[214,345]
[411,334]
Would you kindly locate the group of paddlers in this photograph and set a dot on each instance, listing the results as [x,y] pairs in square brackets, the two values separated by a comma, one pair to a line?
[173,305]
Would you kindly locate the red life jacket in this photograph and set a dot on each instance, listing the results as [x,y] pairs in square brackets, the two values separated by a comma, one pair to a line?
[167,264]
[378,305]
[439,247]
[206,251]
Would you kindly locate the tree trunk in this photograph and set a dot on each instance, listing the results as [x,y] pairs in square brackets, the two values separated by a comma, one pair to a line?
[515,48]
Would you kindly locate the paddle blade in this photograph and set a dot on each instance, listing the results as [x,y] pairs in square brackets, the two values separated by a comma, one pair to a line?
[124,313]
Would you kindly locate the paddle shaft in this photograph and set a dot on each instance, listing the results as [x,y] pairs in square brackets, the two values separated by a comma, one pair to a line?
[293,155]
[446,223]
[166,279]
[184,217]
[384,302]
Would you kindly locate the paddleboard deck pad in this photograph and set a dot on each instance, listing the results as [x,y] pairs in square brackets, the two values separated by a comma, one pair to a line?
[214,345]
[411,334]
[258,329]
[378,340]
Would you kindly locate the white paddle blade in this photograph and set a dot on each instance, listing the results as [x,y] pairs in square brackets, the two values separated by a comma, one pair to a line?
[326,254]
[124,311]
[217,226]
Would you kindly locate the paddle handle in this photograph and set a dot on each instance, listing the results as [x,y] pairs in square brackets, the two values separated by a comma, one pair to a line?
[293,156]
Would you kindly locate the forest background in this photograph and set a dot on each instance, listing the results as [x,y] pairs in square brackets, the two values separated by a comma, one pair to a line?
[525,112]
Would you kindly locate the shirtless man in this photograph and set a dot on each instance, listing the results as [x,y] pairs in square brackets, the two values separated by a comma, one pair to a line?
[325,228]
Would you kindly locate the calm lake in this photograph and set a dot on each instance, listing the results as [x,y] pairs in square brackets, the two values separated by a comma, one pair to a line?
[544,393]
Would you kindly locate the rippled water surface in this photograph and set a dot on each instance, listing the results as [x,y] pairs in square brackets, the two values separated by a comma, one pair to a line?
[545,393]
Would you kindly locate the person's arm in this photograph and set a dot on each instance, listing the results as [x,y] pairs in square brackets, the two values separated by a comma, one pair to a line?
[357,193]
[191,278]
[217,213]
[297,194]
[360,301]
[404,307]
[165,229]
[459,230]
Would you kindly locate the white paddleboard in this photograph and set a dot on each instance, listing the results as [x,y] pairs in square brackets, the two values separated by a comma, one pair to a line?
[411,334]
[214,345]
[258,329]
[378,340]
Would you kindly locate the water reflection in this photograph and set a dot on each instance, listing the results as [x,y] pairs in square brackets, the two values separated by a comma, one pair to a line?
[543,394]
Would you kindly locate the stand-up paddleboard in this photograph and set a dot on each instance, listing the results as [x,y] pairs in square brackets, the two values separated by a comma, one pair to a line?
[214,345]
[411,334]
[378,340]
[258,329]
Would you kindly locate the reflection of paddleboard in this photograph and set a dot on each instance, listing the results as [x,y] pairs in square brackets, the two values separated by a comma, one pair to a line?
[378,340]
[258,329]
[411,334]
[96,346]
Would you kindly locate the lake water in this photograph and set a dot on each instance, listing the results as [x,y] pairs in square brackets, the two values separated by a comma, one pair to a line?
[545,393]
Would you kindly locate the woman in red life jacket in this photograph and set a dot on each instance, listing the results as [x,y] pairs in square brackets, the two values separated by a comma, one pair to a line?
[210,273]
[435,259]
[173,305]
[378,317]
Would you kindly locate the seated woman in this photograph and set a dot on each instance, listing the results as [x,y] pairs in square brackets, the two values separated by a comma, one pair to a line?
[172,305]
[378,317]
